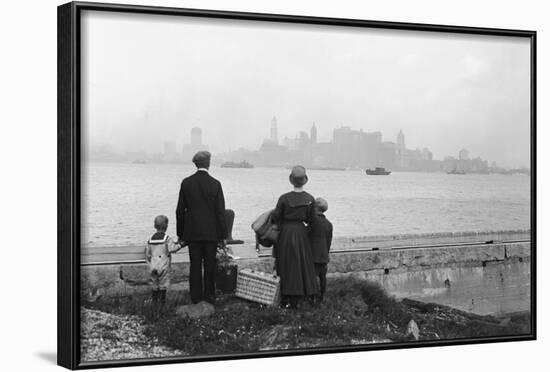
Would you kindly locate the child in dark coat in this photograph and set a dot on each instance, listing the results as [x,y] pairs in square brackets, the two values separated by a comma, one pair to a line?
[320,236]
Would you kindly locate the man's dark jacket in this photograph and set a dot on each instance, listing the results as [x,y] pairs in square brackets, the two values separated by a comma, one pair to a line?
[200,215]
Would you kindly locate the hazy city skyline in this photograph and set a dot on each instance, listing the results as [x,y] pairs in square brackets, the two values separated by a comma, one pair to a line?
[148,80]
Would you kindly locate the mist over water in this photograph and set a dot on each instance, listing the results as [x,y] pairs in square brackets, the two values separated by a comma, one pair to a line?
[120,201]
[149,79]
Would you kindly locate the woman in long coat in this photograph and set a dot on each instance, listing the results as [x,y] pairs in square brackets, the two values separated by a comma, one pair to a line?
[292,251]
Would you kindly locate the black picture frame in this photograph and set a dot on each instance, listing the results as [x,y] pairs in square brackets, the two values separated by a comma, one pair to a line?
[69,188]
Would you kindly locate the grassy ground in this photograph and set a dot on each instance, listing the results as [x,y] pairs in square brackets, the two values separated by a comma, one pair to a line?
[354,312]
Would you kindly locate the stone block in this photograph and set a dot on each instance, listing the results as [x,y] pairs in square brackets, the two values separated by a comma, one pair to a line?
[201,310]
[518,250]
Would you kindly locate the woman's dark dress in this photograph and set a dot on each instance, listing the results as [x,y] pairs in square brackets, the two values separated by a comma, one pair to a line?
[292,251]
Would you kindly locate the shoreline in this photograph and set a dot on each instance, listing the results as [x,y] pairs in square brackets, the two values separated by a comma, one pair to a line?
[183,163]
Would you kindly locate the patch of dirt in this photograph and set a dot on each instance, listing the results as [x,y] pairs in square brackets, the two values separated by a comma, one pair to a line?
[106,336]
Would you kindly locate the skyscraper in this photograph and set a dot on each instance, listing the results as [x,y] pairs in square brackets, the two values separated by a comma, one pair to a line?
[463,155]
[401,140]
[342,136]
[196,144]
[313,134]
[303,140]
[196,136]
[273,133]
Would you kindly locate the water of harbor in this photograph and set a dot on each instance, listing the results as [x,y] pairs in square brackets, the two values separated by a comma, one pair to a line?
[119,201]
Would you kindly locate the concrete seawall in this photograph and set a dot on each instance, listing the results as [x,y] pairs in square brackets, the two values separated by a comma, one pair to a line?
[134,253]
[492,277]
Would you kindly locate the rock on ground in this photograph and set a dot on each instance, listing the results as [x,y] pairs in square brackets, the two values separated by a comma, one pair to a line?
[412,329]
[105,336]
[277,338]
[200,310]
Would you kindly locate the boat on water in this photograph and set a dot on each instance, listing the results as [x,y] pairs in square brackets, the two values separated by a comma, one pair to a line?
[455,171]
[378,171]
[232,164]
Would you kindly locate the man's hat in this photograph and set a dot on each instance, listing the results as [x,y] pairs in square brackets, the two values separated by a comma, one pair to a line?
[298,176]
[201,159]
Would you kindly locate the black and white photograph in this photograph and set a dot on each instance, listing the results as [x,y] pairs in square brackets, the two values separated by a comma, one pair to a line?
[263,186]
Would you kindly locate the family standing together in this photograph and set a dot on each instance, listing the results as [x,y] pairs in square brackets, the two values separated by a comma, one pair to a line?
[301,250]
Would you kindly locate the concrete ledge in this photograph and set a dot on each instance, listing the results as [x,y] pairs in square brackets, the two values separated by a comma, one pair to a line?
[518,250]
[91,255]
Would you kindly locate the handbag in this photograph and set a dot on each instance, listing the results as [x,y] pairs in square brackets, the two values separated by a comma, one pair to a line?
[267,232]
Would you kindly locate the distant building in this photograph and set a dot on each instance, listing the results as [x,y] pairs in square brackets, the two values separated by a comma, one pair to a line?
[350,148]
[271,154]
[478,165]
[196,136]
[427,154]
[313,134]
[402,158]
[342,136]
[170,153]
[368,149]
[342,147]
[355,148]
[401,140]
[450,163]
[386,155]
[188,150]
[273,136]
[465,164]
[290,143]
[303,141]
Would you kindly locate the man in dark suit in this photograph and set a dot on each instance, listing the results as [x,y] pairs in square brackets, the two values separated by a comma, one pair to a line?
[200,220]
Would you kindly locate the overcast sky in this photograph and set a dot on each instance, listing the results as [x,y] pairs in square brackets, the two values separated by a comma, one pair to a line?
[148,79]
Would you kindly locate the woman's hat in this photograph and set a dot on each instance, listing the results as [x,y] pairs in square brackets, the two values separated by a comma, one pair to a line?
[298,176]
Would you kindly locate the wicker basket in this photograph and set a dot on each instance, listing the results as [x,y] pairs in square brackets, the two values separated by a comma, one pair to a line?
[258,287]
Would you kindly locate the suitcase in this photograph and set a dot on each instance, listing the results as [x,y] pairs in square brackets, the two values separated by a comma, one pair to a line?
[226,278]
[258,286]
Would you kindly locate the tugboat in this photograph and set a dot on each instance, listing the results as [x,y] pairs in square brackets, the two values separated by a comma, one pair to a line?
[232,164]
[378,171]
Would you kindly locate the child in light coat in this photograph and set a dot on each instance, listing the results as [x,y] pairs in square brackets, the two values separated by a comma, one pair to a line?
[158,254]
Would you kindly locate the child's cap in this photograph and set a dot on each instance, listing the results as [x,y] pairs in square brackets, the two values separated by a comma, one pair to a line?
[321,204]
[161,222]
